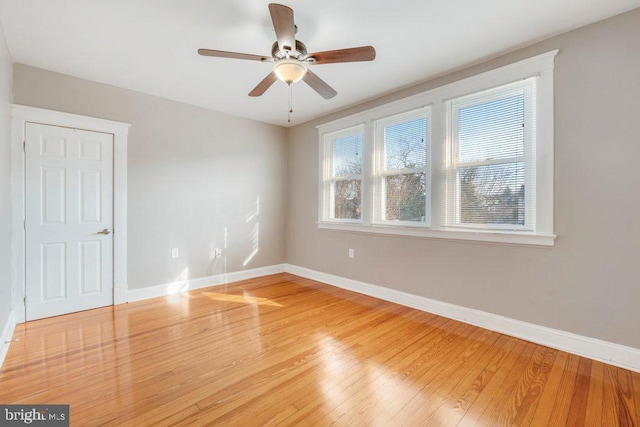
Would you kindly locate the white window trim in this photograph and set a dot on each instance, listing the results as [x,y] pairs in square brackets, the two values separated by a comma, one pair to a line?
[540,66]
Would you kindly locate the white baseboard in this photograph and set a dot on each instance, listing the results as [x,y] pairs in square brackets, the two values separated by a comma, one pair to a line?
[602,351]
[6,336]
[201,282]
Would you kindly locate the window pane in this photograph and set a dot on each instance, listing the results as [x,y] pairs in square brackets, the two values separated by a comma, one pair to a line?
[347,196]
[492,194]
[406,197]
[493,130]
[405,144]
[347,155]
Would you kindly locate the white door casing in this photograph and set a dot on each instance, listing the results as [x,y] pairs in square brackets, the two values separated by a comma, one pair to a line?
[23,116]
[69,204]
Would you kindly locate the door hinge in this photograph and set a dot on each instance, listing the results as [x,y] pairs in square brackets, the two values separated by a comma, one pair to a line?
[24,224]
[24,145]
[24,300]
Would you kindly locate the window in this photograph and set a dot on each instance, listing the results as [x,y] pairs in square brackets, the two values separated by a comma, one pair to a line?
[403,182]
[472,160]
[491,173]
[345,175]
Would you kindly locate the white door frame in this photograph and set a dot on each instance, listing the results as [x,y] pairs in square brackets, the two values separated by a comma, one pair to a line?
[21,115]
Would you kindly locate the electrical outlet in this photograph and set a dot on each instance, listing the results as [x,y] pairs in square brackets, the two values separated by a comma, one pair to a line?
[217,253]
[175,253]
[351,255]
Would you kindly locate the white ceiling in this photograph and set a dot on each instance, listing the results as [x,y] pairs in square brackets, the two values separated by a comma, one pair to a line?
[150,45]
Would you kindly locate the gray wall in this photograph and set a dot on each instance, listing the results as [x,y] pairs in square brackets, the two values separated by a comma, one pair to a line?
[6,73]
[588,283]
[193,175]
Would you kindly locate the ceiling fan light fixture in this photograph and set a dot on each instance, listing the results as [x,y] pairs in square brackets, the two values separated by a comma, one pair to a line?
[289,70]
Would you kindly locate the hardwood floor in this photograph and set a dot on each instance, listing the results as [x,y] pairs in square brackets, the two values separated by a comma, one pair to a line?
[286,350]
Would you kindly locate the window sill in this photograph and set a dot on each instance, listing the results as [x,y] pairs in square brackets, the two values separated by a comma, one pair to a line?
[492,236]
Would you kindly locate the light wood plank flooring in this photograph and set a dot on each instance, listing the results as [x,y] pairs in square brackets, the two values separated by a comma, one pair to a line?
[283,350]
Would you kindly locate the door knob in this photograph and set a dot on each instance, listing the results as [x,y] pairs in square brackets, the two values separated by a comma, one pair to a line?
[105,231]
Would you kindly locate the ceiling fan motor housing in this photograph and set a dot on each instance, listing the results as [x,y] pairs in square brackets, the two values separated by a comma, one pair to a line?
[300,52]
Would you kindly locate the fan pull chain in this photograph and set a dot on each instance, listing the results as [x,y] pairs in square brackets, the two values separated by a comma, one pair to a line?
[290,103]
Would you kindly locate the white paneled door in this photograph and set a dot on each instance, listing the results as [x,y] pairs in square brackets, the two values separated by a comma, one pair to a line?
[69,204]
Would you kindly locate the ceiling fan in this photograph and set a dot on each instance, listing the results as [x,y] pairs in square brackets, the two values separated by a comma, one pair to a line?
[290,58]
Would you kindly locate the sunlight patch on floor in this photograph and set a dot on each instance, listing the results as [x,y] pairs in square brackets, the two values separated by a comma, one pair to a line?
[245,299]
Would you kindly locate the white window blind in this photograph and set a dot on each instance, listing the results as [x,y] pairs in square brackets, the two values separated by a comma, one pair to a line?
[402,172]
[345,178]
[491,172]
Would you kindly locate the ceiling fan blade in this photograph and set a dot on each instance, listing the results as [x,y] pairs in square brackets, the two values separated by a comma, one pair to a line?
[354,54]
[282,17]
[319,85]
[233,55]
[264,85]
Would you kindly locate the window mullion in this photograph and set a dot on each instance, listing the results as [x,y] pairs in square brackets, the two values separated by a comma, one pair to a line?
[368,171]
[438,165]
